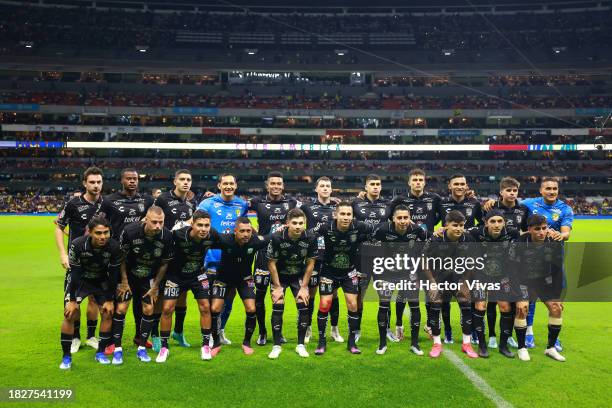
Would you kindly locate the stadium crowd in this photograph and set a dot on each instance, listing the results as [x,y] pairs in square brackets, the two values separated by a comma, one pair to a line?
[301,101]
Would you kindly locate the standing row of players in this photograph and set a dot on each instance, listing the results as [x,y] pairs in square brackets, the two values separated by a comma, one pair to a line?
[332,268]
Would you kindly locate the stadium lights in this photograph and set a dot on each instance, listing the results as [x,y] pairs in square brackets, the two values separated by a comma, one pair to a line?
[448,52]
[142,48]
[340,53]
[27,44]
[251,51]
[559,50]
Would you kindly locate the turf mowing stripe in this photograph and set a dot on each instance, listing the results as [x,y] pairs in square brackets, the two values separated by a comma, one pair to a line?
[477,380]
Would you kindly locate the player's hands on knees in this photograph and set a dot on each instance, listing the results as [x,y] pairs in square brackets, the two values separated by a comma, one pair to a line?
[64,261]
[123,289]
[303,295]
[153,292]
[71,310]
[488,205]
[107,307]
[277,294]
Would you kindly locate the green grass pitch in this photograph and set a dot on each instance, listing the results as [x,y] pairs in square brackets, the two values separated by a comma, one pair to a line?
[31,288]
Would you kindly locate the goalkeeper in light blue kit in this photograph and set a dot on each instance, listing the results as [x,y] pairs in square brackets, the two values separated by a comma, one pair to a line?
[224,209]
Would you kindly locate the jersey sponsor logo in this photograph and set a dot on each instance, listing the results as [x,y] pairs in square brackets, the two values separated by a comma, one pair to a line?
[277,217]
[82,208]
[419,217]
[277,210]
[173,203]
[285,245]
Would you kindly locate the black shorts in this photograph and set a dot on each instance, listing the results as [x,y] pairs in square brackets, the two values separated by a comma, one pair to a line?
[67,282]
[544,288]
[244,287]
[457,288]
[364,280]
[262,274]
[293,282]
[406,294]
[101,291]
[198,285]
[349,284]
[138,287]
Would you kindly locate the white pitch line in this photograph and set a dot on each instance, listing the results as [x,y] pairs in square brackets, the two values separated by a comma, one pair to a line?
[477,380]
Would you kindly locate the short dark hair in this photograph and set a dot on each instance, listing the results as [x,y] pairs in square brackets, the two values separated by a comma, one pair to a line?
[401,207]
[343,204]
[536,219]
[128,170]
[243,220]
[548,178]
[494,213]
[454,216]
[322,178]
[508,182]
[295,213]
[454,176]
[274,174]
[226,175]
[200,214]
[371,177]
[92,171]
[416,172]
[181,171]
[99,219]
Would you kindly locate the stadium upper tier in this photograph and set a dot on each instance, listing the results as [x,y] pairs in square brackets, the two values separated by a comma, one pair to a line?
[543,35]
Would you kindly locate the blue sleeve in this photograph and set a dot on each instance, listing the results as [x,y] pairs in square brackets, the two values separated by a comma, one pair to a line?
[203,205]
[567,217]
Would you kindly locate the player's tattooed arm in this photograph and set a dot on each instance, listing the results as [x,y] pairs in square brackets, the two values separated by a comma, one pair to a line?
[124,287]
[153,292]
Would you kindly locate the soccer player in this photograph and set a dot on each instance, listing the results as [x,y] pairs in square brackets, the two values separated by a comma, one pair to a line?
[371,209]
[399,230]
[122,208]
[75,215]
[94,261]
[185,274]
[321,212]
[291,258]
[497,238]
[515,215]
[178,207]
[342,236]
[560,217]
[147,247]
[471,209]
[449,244]
[224,209]
[271,213]
[539,266]
[237,253]
[423,206]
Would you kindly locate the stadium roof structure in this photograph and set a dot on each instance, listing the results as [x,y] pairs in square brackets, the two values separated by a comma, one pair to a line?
[336,6]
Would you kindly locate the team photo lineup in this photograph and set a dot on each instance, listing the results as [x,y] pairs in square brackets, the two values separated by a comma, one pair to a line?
[131,246]
[331,203]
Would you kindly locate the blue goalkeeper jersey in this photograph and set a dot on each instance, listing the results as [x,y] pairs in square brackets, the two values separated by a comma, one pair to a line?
[223,216]
[558,214]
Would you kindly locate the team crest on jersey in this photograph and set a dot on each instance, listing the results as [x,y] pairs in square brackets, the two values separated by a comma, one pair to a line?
[468,212]
[157,252]
[304,252]
[555,217]
[353,238]
[429,206]
[238,212]
[519,218]
[382,211]
[286,206]
[141,207]
[250,251]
